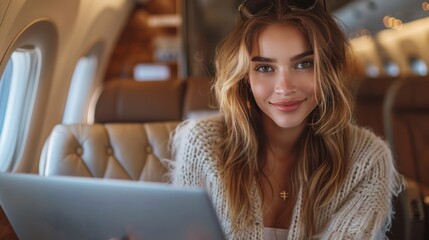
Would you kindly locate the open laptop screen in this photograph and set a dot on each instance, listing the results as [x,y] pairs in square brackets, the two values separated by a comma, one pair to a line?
[84,208]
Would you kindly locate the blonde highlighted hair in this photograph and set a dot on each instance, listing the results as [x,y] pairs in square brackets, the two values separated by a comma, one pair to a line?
[323,154]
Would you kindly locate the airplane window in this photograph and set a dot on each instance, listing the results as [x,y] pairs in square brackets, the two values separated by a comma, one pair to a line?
[4,91]
[20,78]
[372,70]
[392,69]
[79,92]
[418,67]
[151,72]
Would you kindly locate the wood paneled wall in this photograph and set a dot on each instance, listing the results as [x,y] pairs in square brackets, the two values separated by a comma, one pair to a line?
[136,44]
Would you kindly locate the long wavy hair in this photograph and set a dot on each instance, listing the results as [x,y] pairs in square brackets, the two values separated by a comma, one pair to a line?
[324,144]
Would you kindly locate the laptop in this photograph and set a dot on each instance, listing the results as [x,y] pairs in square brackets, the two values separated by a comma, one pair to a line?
[88,208]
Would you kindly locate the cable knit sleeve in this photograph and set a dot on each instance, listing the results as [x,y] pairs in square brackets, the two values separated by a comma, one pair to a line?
[187,168]
[365,209]
[194,158]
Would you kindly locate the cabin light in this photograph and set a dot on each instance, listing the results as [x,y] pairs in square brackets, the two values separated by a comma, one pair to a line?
[425,6]
[392,22]
[386,21]
[397,24]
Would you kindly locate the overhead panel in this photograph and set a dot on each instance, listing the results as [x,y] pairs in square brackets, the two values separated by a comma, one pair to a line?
[3,7]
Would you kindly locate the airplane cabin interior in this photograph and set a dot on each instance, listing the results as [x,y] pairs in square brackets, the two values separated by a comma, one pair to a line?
[95,88]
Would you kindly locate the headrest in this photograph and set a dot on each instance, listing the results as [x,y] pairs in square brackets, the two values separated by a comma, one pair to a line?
[199,99]
[410,95]
[374,88]
[131,101]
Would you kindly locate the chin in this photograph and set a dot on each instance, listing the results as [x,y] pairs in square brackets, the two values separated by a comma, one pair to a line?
[289,124]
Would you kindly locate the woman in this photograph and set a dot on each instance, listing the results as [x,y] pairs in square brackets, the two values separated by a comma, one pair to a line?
[283,158]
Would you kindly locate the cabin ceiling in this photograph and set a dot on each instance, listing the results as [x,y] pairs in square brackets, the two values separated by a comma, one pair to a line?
[335,4]
[354,14]
[369,14]
[206,22]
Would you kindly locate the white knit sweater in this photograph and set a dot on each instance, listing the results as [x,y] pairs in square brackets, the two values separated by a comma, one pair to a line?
[361,210]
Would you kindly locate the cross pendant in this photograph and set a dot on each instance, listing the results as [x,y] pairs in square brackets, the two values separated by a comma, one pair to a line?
[284,195]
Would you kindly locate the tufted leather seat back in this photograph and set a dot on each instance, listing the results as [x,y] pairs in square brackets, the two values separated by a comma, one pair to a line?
[120,151]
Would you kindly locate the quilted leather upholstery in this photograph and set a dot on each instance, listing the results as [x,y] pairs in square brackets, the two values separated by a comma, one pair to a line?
[131,151]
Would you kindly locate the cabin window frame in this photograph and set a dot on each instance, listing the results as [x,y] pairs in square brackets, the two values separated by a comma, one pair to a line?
[79,94]
[5,82]
[83,86]
[24,80]
[41,37]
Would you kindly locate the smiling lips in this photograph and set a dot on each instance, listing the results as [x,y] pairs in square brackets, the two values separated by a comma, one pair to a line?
[287,106]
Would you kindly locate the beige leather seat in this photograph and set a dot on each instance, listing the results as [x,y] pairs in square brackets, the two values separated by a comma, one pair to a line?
[130,138]
[406,113]
[120,151]
[131,101]
[407,127]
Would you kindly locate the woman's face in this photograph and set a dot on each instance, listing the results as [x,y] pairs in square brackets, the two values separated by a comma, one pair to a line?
[282,75]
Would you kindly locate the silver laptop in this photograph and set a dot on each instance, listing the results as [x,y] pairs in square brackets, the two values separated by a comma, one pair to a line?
[85,208]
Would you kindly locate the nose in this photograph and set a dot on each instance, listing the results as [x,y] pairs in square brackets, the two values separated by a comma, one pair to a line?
[284,84]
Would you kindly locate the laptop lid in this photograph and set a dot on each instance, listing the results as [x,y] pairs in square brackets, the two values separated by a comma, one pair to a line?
[86,208]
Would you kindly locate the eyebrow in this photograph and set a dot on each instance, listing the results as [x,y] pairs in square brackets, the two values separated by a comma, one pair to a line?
[292,59]
[302,55]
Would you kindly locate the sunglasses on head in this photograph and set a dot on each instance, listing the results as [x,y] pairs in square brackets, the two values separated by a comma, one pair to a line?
[252,8]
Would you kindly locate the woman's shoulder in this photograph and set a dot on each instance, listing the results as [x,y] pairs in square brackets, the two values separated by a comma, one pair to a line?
[364,139]
[206,128]
[369,151]
[193,151]
[202,134]
[372,161]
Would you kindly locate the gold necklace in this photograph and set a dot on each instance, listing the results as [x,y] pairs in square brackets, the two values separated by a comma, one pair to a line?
[283,194]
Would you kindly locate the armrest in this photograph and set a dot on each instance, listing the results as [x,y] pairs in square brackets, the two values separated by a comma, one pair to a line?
[409,220]
[425,195]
